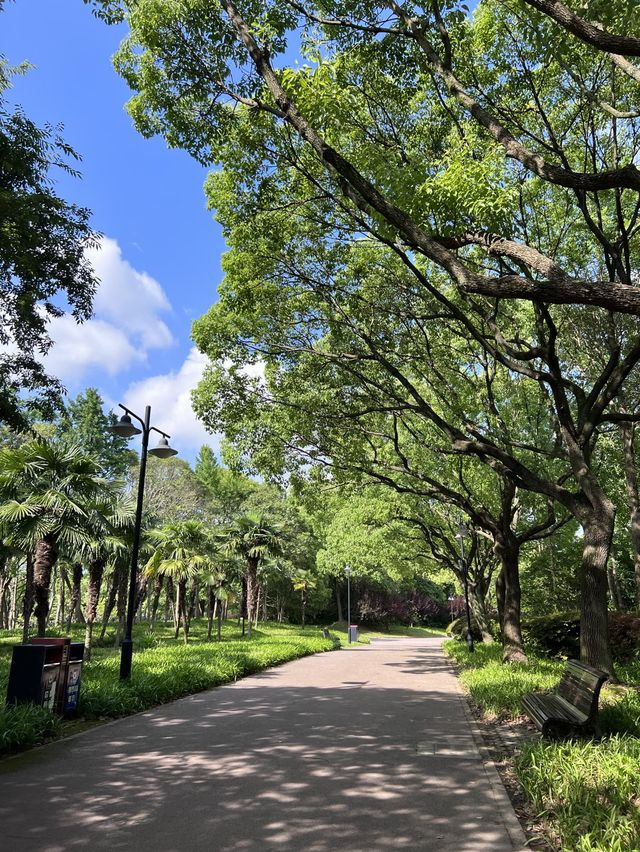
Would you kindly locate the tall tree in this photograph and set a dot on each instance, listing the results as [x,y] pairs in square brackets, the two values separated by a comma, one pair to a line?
[440,140]
[254,538]
[43,264]
[46,491]
[181,552]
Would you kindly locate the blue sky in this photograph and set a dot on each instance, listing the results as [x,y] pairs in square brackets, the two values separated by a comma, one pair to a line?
[160,262]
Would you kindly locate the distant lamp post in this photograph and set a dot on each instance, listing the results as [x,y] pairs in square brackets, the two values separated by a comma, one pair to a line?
[347,571]
[127,429]
[462,531]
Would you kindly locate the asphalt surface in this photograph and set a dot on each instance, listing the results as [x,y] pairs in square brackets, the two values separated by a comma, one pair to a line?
[362,749]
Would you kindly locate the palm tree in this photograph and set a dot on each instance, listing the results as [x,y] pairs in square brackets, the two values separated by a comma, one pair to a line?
[181,553]
[303,581]
[107,521]
[254,538]
[45,489]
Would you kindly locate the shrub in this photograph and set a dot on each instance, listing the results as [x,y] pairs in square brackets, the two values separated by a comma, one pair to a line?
[553,635]
[559,634]
[624,633]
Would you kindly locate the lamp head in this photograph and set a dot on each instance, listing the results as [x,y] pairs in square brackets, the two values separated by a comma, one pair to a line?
[124,427]
[347,570]
[163,450]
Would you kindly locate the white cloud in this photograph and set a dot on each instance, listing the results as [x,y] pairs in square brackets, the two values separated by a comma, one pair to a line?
[126,325]
[95,343]
[169,396]
[131,300]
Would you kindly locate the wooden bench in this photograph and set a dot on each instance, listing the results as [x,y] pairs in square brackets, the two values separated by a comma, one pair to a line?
[573,708]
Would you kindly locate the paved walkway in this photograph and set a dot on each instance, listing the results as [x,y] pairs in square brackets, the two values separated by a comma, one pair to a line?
[363,749]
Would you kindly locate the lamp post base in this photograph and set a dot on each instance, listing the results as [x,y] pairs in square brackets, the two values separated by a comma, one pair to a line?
[470,645]
[126,654]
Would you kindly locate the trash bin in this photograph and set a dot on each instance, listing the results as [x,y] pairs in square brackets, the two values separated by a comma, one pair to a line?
[36,675]
[353,633]
[47,671]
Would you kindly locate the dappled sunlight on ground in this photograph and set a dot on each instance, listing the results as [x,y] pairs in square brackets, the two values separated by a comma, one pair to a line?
[364,749]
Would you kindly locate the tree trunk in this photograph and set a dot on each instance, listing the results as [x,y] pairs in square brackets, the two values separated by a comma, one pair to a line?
[500,599]
[62,602]
[74,603]
[211,605]
[109,603]
[252,588]
[182,593]
[44,559]
[614,585]
[121,604]
[507,550]
[594,629]
[29,595]
[478,606]
[141,590]
[155,603]
[177,610]
[96,569]
[259,595]
[627,431]
[338,600]
[193,601]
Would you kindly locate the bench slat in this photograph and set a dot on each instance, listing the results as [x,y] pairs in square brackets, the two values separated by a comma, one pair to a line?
[575,704]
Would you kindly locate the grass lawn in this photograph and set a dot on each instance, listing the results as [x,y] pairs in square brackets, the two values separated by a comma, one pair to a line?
[587,794]
[163,669]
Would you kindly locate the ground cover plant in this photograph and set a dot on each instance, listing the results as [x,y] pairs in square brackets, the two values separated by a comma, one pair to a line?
[163,670]
[585,793]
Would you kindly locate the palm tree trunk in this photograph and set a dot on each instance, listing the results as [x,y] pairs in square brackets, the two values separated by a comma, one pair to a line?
[74,603]
[96,569]
[28,598]
[211,605]
[219,622]
[182,595]
[252,588]
[141,589]
[157,591]
[121,605]
[62,602]
[46,553]
[109,603]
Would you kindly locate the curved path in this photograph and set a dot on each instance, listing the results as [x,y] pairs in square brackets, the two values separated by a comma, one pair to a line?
[367,748]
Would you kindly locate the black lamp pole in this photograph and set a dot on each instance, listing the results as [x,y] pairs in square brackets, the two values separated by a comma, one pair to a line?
[347,571]
[465,575]
[126,428]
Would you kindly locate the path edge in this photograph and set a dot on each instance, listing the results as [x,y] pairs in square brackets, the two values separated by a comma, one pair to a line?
[507,813]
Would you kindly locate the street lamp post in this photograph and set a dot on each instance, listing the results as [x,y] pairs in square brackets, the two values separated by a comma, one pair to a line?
[125,428]
[465,575]
[347,571]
